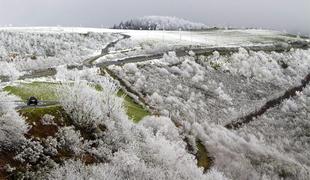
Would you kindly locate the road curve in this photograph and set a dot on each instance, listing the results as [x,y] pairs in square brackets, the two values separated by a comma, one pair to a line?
[89,62]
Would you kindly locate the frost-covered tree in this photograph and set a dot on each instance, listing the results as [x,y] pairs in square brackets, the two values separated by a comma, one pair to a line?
[273,146]
[70,140]
[12,126]
[31,153]
[64,75]
[9,70]
[159,23]
[152,150]
[27,50]
[89,107]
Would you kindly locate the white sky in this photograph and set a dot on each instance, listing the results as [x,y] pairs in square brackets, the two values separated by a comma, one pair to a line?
[290,15]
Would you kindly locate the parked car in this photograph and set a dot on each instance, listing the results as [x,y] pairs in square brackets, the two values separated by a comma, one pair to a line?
[32,101]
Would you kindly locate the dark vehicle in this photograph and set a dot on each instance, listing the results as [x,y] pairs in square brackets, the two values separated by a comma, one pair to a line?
[32,101]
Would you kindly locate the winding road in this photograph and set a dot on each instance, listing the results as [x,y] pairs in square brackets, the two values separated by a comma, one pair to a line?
[180,52]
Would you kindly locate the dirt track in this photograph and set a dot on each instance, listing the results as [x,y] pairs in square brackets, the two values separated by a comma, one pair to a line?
[268,105]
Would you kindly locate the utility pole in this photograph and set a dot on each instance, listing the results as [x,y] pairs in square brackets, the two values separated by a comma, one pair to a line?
[163,33]
[191,36]
[180,30]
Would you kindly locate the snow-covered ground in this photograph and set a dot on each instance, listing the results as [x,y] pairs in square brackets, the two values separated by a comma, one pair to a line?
[24,50]
[240,37]
[194,97]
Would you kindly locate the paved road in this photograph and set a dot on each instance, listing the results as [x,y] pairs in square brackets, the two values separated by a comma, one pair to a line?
[179,52]
[41,104]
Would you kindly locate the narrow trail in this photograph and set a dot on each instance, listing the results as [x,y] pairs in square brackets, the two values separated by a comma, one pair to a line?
[127,88]
[268,105]
[89,62]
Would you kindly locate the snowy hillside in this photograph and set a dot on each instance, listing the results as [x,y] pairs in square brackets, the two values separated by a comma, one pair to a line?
[160,23]
[126,104]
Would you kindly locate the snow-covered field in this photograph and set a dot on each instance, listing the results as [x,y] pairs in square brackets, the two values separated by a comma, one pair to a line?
[191,99]
[241,37]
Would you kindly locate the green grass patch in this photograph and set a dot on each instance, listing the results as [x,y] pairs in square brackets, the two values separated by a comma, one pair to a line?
[203,158]
[34,114]
[43,91]
[135,111]
[215,65]
[47,91]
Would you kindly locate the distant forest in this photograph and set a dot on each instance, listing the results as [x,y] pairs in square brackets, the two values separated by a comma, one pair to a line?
[160,23]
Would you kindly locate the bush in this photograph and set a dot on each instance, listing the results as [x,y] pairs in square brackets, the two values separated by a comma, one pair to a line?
[70,140]
[89,107]
[12,126]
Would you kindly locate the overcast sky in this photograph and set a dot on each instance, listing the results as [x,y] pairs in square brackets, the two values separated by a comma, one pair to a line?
[290,15]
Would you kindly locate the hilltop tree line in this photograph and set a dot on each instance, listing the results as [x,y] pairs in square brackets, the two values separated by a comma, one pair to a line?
[159,23]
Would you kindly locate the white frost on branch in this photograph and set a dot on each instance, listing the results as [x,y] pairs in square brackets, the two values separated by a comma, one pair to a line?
[150,150]
[12,125]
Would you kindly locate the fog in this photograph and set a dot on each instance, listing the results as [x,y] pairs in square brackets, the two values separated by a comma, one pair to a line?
[283,15]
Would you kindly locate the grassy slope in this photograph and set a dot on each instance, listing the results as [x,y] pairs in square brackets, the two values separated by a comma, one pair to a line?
[134,110]
[46,91]
[203,159]
[34,115]
[43,91]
